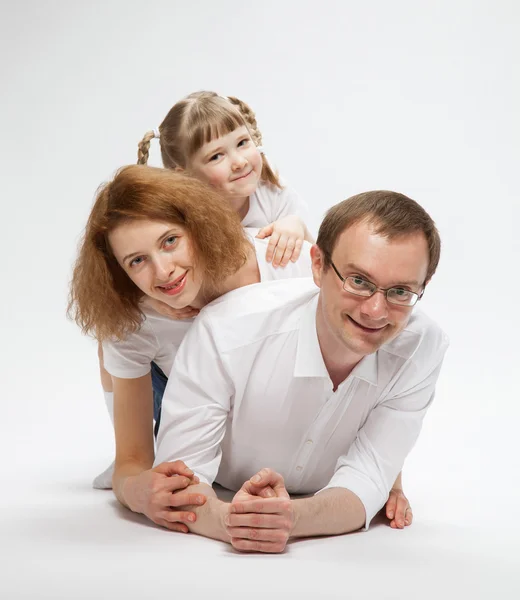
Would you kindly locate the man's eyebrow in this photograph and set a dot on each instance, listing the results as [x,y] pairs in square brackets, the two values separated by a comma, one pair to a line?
[353,267]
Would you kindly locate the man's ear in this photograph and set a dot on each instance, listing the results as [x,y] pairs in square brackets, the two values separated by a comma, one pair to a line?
[317,264]
[424,286]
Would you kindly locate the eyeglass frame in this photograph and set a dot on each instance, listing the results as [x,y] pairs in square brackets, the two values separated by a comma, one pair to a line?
[377,289]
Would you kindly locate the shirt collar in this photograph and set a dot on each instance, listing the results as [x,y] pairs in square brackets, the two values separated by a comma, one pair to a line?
[309,360]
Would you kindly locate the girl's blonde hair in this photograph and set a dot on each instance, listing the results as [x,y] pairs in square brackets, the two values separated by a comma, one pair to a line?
[103,300]
[198,119]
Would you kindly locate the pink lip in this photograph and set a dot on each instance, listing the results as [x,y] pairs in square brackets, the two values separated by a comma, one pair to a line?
[180,283]
[369,330]
[243,176]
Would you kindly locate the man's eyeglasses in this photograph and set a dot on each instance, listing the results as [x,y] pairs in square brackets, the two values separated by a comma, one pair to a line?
[359,286]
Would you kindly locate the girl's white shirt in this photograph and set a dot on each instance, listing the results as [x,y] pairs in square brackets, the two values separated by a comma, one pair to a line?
[269,203]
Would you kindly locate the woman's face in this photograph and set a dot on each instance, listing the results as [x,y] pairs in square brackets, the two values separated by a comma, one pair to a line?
[158,258]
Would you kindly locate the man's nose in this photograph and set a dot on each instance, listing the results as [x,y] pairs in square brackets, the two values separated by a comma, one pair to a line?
[375,307]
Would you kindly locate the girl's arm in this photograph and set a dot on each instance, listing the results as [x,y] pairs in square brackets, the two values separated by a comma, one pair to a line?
[136,484]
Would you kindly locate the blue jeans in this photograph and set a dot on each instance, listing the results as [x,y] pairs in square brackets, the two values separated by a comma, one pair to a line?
[159,381]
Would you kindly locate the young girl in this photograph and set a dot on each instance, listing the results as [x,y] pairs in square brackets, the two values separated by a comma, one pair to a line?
[217,139]
[169,237]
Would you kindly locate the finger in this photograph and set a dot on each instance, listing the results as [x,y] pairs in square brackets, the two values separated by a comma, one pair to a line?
[175,482]
[266,477]
[255,520]
[402,505]
[186,499]
[408,519]
[265,231]
[264,535]
[177,516]
[176,467]
[257,546]
[269,505]
[273,241]
[390,505]
[279,250]
[180,527]
[287,255]
[266,492]
[297,250]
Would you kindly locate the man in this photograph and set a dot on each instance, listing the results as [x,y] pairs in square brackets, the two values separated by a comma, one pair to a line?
[326,383]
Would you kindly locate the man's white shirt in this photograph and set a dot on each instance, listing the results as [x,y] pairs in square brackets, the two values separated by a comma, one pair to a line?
[249,389]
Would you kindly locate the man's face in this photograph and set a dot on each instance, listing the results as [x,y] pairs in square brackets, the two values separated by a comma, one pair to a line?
[359,324]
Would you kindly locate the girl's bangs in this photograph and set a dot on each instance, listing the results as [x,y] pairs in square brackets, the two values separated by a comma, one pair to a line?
[212,126]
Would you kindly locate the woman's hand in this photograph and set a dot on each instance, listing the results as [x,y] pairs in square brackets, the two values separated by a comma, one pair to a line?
[152,494]
[286,240]
[177,314]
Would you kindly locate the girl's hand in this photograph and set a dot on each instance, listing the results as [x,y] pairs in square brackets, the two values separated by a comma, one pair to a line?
[398,509]
[287,235]
[152,494]
[164,309]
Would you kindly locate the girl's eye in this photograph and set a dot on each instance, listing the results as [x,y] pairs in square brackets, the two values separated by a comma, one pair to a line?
[170,241]
[243,142]
[215,156]
[136,261]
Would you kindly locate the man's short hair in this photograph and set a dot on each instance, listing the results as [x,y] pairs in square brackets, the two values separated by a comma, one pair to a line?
[392,215]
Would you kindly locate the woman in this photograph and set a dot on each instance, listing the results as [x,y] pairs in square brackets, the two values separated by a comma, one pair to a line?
[157,235]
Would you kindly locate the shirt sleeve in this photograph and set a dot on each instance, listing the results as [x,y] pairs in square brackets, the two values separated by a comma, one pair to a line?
[195,405]
[290,203]
[376,457]
[130,358]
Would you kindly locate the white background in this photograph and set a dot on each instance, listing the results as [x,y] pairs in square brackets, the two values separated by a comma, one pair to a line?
[414,96]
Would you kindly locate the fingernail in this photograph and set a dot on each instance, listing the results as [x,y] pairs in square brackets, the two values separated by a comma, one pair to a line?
[226,520]
[391,514]
[256,479]
[191,518]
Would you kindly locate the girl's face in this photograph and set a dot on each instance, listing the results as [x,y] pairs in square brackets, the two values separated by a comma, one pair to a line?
[158,258]
[230,163]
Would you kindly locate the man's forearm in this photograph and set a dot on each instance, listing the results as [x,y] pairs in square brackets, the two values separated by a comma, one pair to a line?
[331,512]
[210,516]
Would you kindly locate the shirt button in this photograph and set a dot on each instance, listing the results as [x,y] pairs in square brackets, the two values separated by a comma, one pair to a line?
[299,468]
[309,442]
